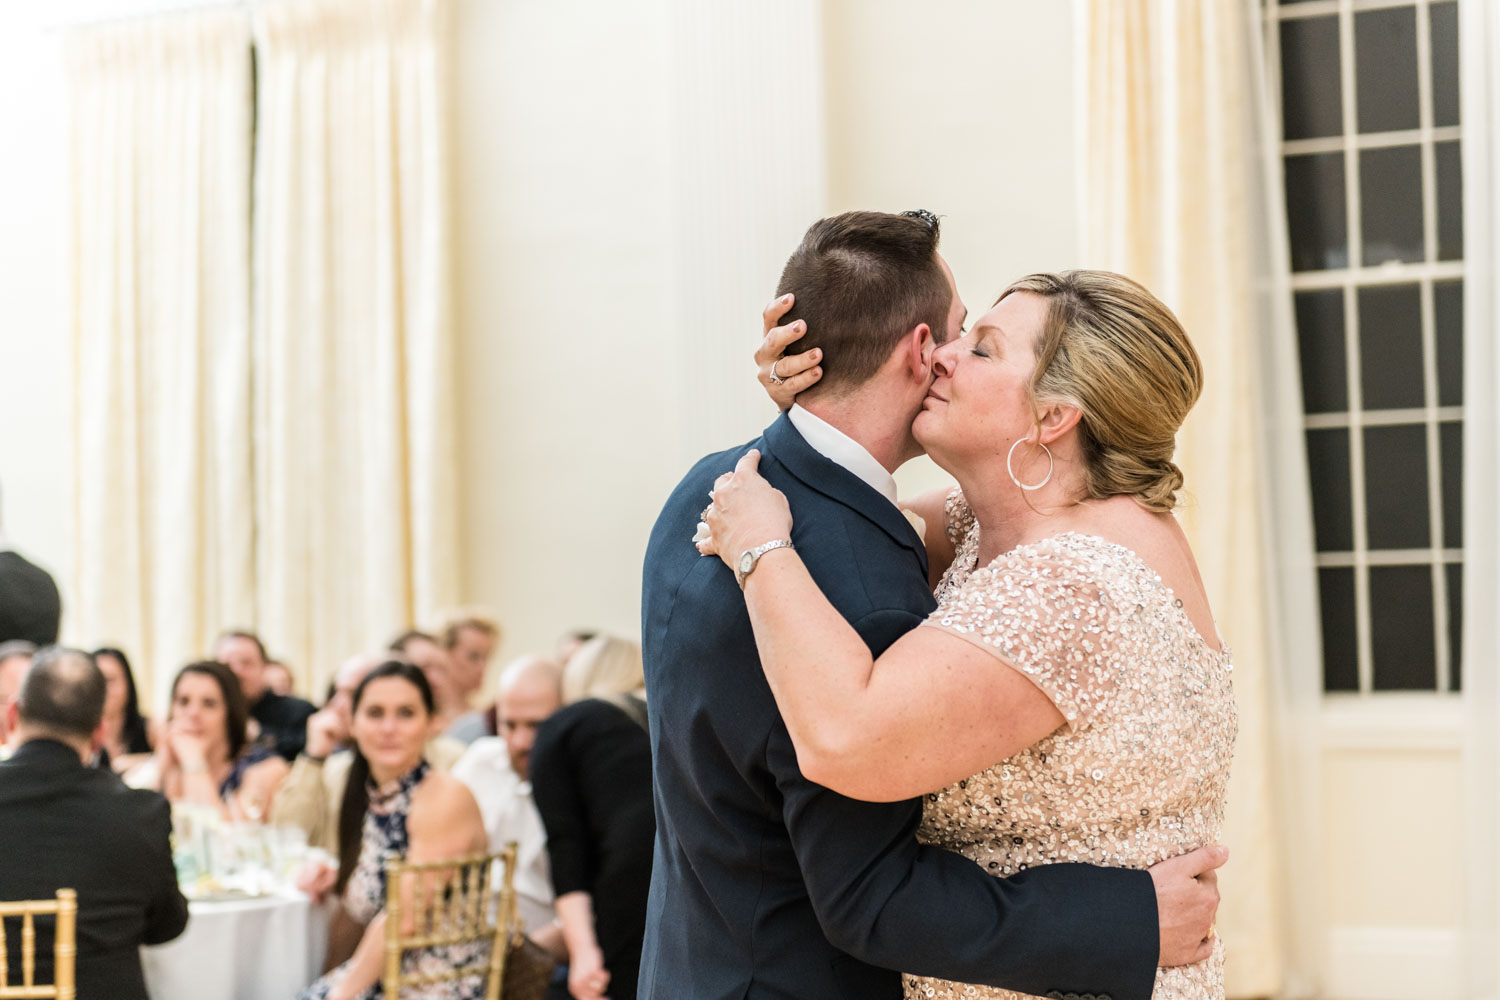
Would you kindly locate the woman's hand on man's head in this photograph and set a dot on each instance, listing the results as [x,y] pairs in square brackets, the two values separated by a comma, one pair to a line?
[783,375]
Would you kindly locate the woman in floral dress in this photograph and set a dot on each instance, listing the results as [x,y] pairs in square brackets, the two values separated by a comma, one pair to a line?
[396,806]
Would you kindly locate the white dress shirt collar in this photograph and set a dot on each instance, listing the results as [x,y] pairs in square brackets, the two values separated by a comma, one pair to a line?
[842,450]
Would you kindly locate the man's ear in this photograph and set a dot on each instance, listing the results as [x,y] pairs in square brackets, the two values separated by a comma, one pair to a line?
[12,717]
[96,740]
[1057,419]
[917,347]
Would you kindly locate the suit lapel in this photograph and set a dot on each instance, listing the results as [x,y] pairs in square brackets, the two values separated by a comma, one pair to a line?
[837,483]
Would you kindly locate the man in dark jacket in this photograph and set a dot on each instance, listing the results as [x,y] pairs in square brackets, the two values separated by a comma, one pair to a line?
[30,607]
[66,825]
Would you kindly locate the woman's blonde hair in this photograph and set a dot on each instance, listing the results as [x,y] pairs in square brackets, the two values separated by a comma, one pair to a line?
[604,667]
[1112,349]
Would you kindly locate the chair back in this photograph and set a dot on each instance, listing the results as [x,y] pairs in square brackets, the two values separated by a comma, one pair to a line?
[64,947]
[446,903]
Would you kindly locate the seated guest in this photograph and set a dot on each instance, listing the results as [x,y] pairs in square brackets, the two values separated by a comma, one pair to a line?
[591,778]
[310,796]
[395,804]
[498,769]
[282,719]
[30,608]
[70,826]
[15,659]
[469,639]
[279,678]
[127,740]
[572,641]
[424,651]
[203,756]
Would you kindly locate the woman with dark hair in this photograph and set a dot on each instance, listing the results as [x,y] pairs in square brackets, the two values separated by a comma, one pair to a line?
[395,804]
[203,758]
[127,738]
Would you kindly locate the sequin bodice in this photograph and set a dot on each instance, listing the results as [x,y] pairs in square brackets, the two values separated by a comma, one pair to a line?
[1138,772]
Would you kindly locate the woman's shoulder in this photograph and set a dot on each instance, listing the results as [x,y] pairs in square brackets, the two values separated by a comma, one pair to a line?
[440,791]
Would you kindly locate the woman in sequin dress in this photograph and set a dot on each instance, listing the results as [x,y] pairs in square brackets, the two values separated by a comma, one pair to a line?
[395,805]
[1073,642]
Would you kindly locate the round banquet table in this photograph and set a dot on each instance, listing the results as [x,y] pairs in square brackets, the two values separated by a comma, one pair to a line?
[261,948]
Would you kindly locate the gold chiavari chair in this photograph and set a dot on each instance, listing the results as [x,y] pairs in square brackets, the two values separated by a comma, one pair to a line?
[64,947]
[438,904]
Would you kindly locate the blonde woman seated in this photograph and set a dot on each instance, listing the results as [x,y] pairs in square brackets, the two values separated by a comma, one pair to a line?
[395,804]
[203,757]
[1070,698]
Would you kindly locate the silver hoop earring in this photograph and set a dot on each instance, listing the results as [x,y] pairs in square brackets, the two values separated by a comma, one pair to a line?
[1016,479]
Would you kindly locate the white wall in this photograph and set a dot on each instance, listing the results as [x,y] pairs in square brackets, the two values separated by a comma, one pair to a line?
[36,419]
[614,256]
[963,107]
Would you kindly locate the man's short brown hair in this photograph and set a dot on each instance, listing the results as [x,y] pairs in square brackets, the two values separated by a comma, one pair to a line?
[862,281]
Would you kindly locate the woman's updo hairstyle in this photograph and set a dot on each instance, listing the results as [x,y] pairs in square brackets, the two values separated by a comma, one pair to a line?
[1110,348]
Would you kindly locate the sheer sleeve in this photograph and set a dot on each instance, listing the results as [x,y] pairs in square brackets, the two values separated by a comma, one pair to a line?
[1042,610]
[960,519]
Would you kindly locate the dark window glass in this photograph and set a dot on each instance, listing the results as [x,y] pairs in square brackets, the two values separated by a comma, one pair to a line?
[1390,347]
[1397,515]
[1311,105]
[1391,204]
[1320,339]
[1448,313]
[1455,572]
[1450,200]
[1340,648]
[1385,63]
[1402,632]
[1444,64]
[1316,216]
[1328,471]
[1451,453]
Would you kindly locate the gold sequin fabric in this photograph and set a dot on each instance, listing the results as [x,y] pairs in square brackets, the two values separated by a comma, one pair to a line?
[1137,774]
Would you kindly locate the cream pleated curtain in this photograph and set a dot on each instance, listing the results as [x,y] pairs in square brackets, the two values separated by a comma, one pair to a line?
[159,250]
[275,453]
[354,422]
[1176,192]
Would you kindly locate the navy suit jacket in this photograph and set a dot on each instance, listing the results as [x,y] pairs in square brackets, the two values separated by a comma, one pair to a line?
[766,885]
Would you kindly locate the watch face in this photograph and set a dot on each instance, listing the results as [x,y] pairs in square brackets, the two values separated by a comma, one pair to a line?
[747,562]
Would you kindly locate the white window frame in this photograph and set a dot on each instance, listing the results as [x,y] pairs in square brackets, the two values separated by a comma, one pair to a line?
[1426,720]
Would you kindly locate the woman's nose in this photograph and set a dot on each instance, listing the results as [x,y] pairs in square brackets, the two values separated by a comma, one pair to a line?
[942,360]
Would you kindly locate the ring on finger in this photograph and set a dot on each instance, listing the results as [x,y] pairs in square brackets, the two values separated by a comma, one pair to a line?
[774,378]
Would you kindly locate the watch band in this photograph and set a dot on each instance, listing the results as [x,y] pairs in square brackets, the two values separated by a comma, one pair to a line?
[746,563]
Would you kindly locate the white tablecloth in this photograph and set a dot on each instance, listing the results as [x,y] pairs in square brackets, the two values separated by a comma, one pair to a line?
[268,948]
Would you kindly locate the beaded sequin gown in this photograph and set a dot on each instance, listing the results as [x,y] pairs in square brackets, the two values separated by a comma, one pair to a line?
[1137,773]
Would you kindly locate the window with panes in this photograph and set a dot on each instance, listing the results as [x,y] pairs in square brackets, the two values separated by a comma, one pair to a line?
[1374,189]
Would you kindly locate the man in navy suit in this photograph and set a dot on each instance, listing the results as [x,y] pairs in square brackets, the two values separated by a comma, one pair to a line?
[764,884]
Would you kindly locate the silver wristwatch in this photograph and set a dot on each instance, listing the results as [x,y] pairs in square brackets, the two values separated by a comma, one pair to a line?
[750,557]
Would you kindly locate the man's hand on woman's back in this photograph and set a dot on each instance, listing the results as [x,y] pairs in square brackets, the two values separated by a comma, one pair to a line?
[1187,901]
